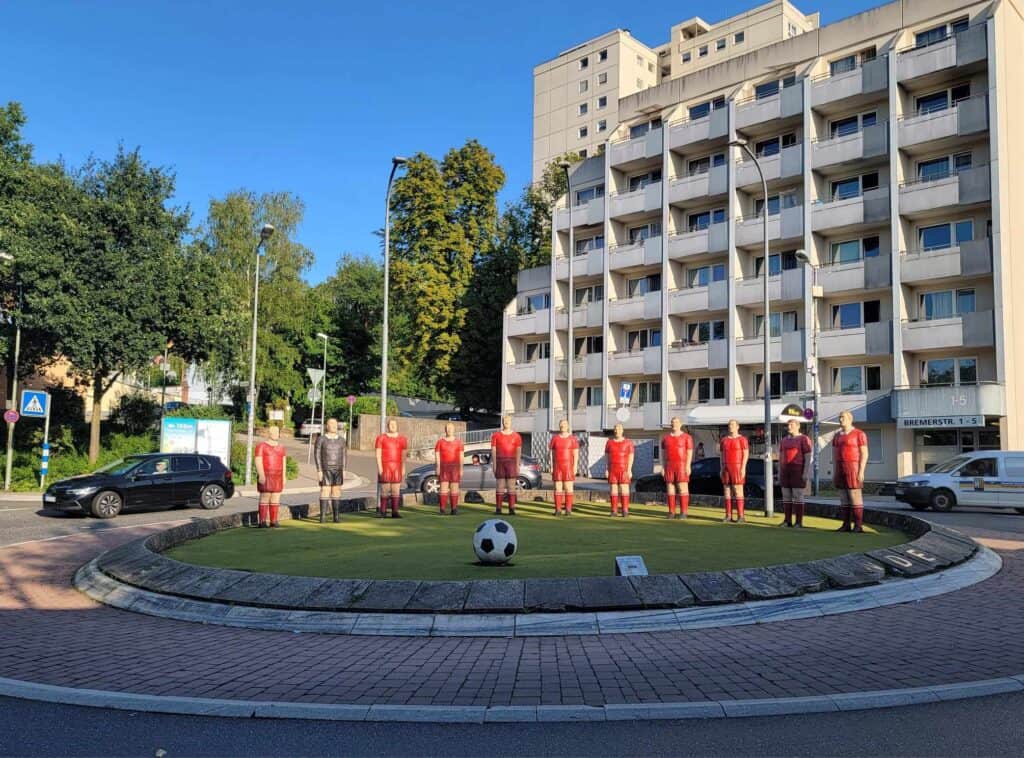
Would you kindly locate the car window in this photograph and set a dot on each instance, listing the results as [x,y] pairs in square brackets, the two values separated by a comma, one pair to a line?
[154,467]
[185,463]
[706,466]
[948,466]
[204,464]
[979,467]
[1014,465]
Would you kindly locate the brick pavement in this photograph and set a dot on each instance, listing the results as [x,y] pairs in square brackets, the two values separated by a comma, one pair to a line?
[55,635]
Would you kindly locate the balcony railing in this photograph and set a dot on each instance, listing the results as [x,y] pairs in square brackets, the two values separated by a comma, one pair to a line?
[938,177]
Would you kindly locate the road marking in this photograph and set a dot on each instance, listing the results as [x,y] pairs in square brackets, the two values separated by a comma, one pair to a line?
[5,510]
[108,529]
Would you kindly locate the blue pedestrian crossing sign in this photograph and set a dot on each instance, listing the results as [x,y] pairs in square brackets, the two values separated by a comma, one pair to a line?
[34,403]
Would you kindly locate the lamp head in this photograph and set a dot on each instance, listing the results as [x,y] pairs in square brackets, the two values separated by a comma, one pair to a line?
[399,160]
[266,232]
[738,142]
[802,256]
[322,336]
[564,165]
[5,256]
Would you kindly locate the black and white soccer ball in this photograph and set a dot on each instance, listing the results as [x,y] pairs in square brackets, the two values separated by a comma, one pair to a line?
[494,541]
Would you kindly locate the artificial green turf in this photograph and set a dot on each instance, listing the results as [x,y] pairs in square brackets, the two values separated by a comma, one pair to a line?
[425,545]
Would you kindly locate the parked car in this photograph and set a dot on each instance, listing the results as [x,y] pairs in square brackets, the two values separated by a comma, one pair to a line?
[706,479]
[990,478]
[154,480]
[477,474]
[309,427]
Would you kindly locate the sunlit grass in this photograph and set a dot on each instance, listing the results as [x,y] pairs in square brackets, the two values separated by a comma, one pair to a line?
[425,545]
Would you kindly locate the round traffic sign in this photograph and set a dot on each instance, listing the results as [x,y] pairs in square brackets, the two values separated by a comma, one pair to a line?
[622,414]
[11,416]
[809,414]
[351,399]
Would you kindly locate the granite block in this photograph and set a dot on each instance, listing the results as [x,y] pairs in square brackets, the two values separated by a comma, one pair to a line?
[762,584]
[801,575]
[250,590]
[496,595]
[608,593]
[386,595]
[552,595]
[291,591]
[922,555]
[442,597]
[900,565]
[712,588]
[662,591]
[207,582]
[955,550]
[336,594]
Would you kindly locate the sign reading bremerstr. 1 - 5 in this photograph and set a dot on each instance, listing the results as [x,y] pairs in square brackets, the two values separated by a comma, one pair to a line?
[204,436]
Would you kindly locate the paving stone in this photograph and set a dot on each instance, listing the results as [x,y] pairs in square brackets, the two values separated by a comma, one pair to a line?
[952,534]
[556,624]
[662,591]
[169,579]
[954,550]
[712,588]
[762,584]
[496,595]
[608,593]
[850,570]
[386,595]
[336,594]
[250,590]
[474,625]
[922,555]
[442,597]
[207,582]
[802,575]
[552,595]
[900,565]
[291,591]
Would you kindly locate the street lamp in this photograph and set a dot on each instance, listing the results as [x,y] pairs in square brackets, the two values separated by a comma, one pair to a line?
[9,461]
[804,258]
[395,163]
[571,349]
[265,233]
[323,399]
[769,489]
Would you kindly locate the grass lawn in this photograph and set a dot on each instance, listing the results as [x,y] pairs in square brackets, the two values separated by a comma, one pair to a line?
[425,545]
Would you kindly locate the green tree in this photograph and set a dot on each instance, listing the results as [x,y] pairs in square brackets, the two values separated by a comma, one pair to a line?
[353,303]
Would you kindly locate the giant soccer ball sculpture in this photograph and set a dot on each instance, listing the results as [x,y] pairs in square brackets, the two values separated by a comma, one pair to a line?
[494,541]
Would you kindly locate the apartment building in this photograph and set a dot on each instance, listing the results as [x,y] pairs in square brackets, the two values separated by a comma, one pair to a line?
[892,179]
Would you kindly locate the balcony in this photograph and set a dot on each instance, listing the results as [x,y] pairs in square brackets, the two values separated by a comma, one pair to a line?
[786,224]
[635,363]
[588,366]
[970,258]
[590,213]
[966,330]
[589,315]
[950,405]
[870,339]
[699,357]
[955,51]
[643,308]
[967,117]
[836,216]
[786,163]
[630,153]
[788,286]
[865,274]
[867,407]
[789,348]
[708,184]
[528,372]
[832,93]
[645,252]
[646,416]
[714,297]
[531,421]
[926,197]
[832,155]
[588,418]
[537,322]
[713,239]
[627,206]
[788,102]
[590,263]
[690,133]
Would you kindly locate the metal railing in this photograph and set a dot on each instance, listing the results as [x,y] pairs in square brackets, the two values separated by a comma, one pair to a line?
[945,38]
[845,137]
[948,174]
[857,65]
[474,437]
[925,115]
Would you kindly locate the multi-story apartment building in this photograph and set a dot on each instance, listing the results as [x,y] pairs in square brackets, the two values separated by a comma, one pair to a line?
[885,140]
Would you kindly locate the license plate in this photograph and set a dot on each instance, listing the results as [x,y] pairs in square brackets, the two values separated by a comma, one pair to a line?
[49,498]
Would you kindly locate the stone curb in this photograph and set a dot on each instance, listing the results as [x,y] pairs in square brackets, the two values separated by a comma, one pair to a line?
[709,709]
[102,588]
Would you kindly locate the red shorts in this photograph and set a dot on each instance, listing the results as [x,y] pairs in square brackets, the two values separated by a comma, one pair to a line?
[732,474]
[272,483]
[392,474]
[847,475]
[792,477]
[562,472]
[505,468]
[675,475]
[618,475]
[451,472]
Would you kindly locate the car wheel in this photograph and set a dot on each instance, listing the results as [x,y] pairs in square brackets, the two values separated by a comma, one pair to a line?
[107,504]
[212,497]
[942,500]
[522,483]
[919,506]
[431,485]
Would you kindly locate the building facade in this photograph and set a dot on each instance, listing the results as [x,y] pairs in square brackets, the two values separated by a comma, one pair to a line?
[892,179]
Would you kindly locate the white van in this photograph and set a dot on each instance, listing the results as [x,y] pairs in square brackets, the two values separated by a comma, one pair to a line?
[990,478]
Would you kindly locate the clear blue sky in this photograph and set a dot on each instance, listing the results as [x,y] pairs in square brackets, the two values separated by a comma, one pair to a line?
[308,97]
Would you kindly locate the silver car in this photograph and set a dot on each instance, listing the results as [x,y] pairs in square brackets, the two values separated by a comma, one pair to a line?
[477,474]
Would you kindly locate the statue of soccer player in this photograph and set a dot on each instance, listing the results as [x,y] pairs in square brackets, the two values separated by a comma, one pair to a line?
[795,457]
[677,458]
[448,468]
[620,454]
[270,459]
[849,461]
[506,449]
[735,452]
[391,447]
[330,456]
[565,459]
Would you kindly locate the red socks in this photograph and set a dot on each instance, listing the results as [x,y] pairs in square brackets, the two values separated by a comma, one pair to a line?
[684,503]
[858,517]
[383,504]
[728,507]
[264,511]
[625,505]
[558,502]
[739,507]
[455,501]
[615,505]
[568,502]
[511,502]
[443,499]
[273,512]
[671,505]
[799,507]
[394,505]
[788,508]
[846,516]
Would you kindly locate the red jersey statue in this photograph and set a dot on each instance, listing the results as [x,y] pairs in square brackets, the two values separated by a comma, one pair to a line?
[564,457]
[735,450]
[448,467]
[506,447]
[390,448]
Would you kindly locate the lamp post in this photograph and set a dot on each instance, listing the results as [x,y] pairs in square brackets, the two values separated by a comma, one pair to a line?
[801,255]
[769,489]
[395,163]
[323,398]
[265,233]
[571,347]
[9,460]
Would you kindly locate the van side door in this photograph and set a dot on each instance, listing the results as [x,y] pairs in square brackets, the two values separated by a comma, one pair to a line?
[1011,481]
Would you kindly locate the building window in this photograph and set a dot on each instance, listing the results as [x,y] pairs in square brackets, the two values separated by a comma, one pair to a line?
[602,125]
[856,380]
[535,400]
[775,203]
[699,166]
[783,383]
[537,351]
[702,51]
[940,33]
[851,251]
[640,339]
[704,109]
[701,220]
[944,236]
[582,109]
[646,392]
[738,37]
[592,294]
[582,132]
[687,57]
[702,276]
[640,181]
[875,450]
[646,231]
[777,263]
[583,153]
[780,322]
[640,61]
[704,331]
[591,345]
[934,102]
[584,62]
[602,78]
[584,86]
[947,371]
[946,304]
[584,196]
[588,396]
[602,102]
[847,125]
[639,130]
[705,389]
[602,56]
[773,145]
[793,31]
[534,303]
[855,186]
[650,67]
[643,285]
[585,246]
[855,315]
[770,89]
[944,167]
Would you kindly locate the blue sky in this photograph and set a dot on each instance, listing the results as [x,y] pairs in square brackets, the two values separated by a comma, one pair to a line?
[308,97]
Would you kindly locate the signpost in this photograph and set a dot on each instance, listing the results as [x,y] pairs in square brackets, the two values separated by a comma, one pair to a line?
[314,395]
[348,436]
[36,404]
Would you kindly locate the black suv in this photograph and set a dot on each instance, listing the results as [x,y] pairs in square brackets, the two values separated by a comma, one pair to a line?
[155,480]
[706,479]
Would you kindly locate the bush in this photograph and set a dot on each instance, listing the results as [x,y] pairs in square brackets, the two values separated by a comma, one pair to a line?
[201,411]
[135,413]
[338,408]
